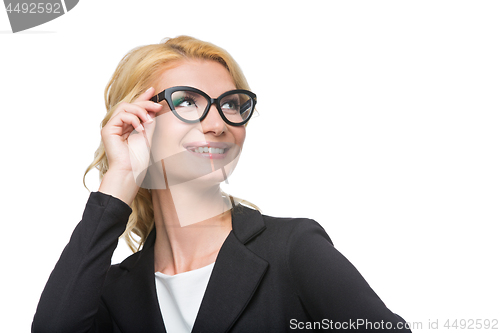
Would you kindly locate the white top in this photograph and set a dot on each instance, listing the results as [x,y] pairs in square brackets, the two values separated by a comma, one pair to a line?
[180,297]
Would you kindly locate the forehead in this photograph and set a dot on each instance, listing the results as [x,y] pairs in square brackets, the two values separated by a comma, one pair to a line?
[209,76]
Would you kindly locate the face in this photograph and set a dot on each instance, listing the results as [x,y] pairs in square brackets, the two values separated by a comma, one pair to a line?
[182,146]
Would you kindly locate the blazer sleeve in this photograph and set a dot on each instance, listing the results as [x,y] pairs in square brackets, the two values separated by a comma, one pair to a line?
[70,301]
[331,288]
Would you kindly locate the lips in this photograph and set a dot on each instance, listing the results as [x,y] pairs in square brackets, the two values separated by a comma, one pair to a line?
[207,149]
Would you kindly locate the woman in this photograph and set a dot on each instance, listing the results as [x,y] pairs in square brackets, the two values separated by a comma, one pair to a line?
[173,132]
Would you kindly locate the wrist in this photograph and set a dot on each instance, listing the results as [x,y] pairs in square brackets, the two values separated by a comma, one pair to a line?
[119,184]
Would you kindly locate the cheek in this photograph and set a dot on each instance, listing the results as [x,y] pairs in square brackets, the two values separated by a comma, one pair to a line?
[239,135]
[170,128]
[168,134]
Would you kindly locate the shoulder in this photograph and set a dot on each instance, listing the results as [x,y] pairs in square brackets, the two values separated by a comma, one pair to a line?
[273,222]
[301,238]
[280,234]
[293,224]
[295,229]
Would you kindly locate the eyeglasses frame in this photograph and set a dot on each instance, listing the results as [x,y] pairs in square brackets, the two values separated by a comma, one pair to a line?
[166,95]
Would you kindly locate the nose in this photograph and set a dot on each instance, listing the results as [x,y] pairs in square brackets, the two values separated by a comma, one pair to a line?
[213,122]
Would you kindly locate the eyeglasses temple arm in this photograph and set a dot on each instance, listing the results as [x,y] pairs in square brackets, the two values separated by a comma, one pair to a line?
[157,98]
[245,106]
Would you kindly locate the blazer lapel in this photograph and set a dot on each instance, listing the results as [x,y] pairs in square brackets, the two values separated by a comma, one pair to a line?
[235,277]
[140,300]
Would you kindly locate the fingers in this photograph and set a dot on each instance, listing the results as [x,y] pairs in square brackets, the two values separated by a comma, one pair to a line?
[147,95]
[130,119]
[142,108]
[145,110]
[121,131]
[143,101]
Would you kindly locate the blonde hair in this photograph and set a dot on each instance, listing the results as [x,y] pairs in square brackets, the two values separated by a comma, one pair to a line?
[136,72]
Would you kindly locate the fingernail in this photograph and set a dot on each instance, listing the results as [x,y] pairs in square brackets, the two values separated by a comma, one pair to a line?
[149,89]
[158,104]
[148,117]
[140,128]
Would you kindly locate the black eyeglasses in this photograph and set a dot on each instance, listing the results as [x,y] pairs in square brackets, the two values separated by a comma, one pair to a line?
[191,105]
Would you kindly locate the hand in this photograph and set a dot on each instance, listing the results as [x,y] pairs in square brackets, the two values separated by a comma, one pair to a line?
[126,137]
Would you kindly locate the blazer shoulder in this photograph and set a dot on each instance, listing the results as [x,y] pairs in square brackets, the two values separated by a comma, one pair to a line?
[294,226]
[289,221]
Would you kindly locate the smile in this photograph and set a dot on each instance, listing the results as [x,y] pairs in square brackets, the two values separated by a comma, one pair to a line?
[211,150]
[208,150]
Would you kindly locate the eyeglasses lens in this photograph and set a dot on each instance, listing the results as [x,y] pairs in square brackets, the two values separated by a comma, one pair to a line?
[191,105]
[188,104]
[236,107]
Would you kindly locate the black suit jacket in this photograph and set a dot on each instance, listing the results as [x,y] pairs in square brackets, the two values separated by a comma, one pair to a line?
[271,275]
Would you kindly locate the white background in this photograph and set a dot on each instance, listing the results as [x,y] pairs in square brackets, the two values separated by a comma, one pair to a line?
[378,119]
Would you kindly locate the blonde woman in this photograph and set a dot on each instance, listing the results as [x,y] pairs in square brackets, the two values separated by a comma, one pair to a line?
[204,261]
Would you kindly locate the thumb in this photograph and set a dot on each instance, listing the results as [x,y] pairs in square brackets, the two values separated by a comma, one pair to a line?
[139,146]
[149,128]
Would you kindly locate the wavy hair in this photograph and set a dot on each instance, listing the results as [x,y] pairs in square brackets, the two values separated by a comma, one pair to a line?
[136,72]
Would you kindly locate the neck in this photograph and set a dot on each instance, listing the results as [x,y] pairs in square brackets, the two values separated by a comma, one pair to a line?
[192,222]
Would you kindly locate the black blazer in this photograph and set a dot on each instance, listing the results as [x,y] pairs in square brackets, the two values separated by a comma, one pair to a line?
[271,275]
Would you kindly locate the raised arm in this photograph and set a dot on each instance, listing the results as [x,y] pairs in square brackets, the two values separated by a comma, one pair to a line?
[70,300]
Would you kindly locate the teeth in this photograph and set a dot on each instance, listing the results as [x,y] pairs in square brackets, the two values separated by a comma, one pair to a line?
[209,150]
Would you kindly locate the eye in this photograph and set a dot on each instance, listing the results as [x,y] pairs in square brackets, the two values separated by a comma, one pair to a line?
[185,101]
[230,105]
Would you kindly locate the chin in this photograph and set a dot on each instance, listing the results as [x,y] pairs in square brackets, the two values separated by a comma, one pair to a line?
[213,178]
[185,169]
